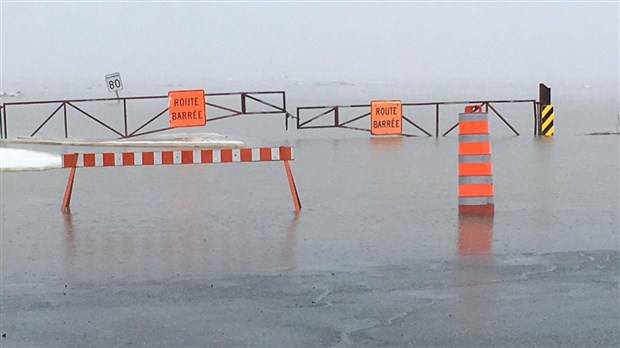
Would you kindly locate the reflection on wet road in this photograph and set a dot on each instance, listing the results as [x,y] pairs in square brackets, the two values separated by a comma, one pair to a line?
[101,256]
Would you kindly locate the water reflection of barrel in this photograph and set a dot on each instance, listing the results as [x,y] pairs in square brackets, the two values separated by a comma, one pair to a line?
[477,293]
[475,234]
[475,170]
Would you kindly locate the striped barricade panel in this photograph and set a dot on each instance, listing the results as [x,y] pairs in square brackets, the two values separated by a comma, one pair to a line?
[173,157]
[547,117]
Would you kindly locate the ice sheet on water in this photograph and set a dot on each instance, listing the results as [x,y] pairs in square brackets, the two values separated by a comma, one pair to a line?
[211,140]
[12,159]
[19,159]
[11,94]
[207,140]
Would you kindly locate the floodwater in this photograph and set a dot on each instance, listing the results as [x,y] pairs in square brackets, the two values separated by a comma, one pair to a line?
[365,202]
[378,243]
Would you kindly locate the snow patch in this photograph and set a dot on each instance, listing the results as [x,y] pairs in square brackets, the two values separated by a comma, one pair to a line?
[19,159]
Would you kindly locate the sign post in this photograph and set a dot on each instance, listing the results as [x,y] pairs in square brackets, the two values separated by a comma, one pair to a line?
[114,83]
[187,108]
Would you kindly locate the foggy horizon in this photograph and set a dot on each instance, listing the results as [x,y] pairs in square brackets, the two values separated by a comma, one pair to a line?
[310,41]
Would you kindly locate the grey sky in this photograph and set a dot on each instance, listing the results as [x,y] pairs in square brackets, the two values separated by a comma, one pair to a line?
[402,41]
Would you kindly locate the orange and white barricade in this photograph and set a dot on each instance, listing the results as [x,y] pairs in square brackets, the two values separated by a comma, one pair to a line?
[178,157]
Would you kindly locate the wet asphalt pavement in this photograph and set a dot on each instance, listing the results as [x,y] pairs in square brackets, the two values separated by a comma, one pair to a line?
[557,299]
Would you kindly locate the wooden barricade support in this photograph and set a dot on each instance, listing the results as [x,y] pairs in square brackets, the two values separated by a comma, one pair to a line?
[178,157]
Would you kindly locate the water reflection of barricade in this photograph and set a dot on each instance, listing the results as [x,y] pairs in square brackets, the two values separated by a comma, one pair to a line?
[129,119]
[194,248]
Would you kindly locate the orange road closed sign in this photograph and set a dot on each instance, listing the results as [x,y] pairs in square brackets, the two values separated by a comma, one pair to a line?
[187,108]
[386,117]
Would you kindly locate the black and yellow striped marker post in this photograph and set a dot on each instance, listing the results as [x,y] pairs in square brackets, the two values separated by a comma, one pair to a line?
[546,120]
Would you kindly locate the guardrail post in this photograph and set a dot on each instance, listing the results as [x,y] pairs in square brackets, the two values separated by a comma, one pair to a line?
[436,120]
[1,129]
[544,98]
[286,114]
[6,131]
[337,116]
[125,114]
[243,108]
[64,107]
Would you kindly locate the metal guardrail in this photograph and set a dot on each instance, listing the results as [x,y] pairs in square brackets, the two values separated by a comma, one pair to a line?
[242,107]
[310,121]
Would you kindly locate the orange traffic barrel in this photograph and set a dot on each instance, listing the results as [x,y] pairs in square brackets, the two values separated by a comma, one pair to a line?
[475,170]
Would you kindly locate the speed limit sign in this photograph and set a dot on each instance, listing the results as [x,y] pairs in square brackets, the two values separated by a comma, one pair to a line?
[114,83]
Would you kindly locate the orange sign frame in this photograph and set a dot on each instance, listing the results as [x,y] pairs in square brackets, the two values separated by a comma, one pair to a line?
[187,108]
[386,117]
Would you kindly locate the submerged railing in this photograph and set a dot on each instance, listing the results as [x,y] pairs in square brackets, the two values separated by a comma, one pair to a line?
[232,104]
[308,116]
[244,103]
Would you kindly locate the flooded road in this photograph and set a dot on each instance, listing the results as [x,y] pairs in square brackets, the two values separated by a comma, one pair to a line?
[378,256]
[366,202]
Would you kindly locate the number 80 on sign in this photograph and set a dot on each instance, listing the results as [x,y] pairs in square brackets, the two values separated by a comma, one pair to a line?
[114,83]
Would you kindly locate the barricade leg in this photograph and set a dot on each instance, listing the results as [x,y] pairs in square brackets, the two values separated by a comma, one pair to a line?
[67,198]
[291,183]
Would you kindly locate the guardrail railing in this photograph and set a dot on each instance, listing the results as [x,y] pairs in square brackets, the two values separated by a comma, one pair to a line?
[308,116]
[242,103]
